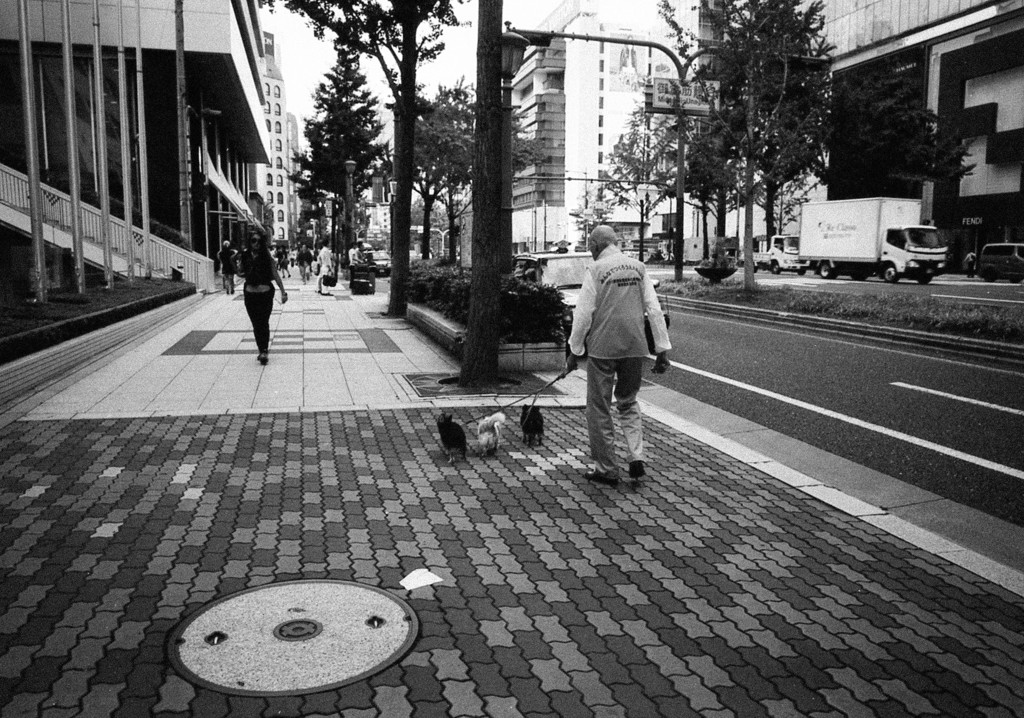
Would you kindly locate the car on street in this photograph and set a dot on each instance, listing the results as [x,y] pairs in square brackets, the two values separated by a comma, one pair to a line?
[1001,261]
[380,260]
[565,271]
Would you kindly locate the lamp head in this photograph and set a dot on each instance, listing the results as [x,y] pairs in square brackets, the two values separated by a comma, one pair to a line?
[513,48]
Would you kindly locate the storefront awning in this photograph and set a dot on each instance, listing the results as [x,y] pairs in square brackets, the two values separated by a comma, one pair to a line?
[229,192]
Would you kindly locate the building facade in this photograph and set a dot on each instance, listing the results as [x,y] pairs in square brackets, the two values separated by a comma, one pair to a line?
[965,57]
[225,133]
[576,98]
[276,184]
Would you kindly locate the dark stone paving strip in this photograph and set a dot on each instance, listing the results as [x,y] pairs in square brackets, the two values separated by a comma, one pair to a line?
[712,590]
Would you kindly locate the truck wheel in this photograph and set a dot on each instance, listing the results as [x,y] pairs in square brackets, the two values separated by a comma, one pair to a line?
[924,279]
[776,269]
[890,274]
[827,271]
[989,275]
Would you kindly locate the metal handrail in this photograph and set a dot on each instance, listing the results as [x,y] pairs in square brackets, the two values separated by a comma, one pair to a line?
[164,255]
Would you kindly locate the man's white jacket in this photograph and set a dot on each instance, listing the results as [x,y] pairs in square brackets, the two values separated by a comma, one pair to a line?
[608,322]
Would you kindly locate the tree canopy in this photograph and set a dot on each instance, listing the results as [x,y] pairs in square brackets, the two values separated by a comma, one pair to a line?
[884,141]
[344,127]
[399,35]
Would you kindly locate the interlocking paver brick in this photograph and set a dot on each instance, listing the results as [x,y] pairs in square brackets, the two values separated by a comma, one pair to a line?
[714,592]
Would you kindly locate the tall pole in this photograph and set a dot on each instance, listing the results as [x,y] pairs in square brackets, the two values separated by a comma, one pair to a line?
[140,121]
[505,248]
[74,178]
[126,146]
[103,178]
[35,194]
[184,191]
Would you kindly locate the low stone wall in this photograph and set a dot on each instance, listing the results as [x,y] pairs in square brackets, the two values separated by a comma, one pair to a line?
[541,356]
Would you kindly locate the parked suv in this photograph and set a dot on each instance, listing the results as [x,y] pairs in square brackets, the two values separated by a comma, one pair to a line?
[564,270]
[1001,261]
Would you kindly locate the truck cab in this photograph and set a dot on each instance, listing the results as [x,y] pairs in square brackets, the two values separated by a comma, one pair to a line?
[914,251]
[781,255]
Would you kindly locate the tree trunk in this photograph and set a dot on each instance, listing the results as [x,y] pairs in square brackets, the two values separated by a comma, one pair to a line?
[771,197]
[453,240]
[428,205]
[720,217]
[405,139]
[480,353]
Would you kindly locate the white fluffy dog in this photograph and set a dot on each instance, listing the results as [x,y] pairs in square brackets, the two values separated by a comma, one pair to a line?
[488,433]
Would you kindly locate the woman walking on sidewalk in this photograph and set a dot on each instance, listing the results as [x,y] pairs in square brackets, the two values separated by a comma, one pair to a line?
[261,274]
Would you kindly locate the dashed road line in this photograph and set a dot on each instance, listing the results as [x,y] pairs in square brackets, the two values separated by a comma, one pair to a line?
[885,431]
[956,397]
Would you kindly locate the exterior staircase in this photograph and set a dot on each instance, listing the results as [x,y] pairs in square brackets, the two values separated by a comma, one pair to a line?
[164,256]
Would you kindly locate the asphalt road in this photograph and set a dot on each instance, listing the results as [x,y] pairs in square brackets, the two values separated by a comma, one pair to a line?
[953,287]
[951,427]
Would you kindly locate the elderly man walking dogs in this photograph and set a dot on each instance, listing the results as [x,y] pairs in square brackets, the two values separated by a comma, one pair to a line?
[608,327]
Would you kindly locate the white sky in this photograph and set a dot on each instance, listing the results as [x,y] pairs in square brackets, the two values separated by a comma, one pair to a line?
[304,60]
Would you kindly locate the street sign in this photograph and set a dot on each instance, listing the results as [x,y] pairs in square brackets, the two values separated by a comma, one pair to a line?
[664,95]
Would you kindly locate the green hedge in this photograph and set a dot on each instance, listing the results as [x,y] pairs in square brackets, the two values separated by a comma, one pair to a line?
[529,312]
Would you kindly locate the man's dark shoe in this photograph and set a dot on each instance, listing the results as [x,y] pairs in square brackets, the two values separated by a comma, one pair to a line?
[600,477]
[636,469]
[262,358]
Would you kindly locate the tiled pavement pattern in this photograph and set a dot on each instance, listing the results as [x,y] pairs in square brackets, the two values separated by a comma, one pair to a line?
[713,590]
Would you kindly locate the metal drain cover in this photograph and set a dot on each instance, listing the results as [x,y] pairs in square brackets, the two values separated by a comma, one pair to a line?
[293,638]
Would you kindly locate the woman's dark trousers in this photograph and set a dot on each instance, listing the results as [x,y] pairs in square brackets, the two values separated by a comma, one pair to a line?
[259,305]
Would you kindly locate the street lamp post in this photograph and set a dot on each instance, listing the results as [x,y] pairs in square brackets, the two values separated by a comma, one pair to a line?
[393,186]
[350,168]
[513,47]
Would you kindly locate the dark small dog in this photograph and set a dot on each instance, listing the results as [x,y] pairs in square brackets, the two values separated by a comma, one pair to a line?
[533,425]
[453,438]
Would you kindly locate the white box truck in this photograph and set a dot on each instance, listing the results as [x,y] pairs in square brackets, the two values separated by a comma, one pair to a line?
[877,236]
[782,254]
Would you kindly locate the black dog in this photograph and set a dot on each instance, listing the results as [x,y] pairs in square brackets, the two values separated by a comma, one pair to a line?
[453,438]
[533,425]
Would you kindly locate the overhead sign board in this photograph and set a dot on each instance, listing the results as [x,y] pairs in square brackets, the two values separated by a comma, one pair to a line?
[665,94]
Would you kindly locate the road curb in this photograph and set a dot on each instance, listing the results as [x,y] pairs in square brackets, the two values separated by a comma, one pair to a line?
[1001,351]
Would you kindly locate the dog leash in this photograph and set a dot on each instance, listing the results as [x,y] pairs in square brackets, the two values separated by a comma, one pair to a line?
[534,396]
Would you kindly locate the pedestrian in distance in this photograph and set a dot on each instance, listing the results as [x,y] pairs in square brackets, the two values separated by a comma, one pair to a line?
[260,276]
[326,261]
[608,328]
[226,257]
[282,262]
[970,261]
[305,258]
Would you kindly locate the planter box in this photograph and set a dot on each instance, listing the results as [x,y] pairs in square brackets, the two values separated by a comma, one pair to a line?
[542,356]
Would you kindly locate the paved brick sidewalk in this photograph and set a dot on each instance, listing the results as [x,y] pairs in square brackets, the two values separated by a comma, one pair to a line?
[714,590]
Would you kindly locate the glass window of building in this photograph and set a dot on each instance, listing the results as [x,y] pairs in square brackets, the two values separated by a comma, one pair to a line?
[277,127]
[280,198]
[278,164]
[277,109]
[278,146]
[280,215]
[270,177]
[280,181]
[277,91]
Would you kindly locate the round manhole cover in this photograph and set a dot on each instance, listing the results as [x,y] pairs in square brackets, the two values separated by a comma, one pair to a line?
[293,638]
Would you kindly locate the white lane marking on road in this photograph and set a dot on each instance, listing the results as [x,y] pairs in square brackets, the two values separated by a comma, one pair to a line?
[965,399]
[979,299]
[819,335]
[891,433]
